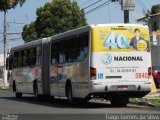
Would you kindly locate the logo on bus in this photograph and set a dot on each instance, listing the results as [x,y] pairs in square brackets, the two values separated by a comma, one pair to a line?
[106,59]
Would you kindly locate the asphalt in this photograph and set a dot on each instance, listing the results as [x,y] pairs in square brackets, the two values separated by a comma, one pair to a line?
[27,108]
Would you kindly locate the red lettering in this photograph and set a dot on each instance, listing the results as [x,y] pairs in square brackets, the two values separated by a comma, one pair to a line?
[141,75]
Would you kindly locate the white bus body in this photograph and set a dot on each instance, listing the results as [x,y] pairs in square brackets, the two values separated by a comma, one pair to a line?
[93,61]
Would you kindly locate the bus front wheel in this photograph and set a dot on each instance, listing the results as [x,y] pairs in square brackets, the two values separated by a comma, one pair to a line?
[121,102]
[17,94]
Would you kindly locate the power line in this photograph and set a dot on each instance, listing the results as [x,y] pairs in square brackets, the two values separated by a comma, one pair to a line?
[92,4]
[85,2]
[13,33]
[12,39]
[142,5]
[16,23]
[98,7]
[109,13]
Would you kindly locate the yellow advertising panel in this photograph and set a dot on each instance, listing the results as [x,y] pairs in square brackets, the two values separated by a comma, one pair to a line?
[120,39]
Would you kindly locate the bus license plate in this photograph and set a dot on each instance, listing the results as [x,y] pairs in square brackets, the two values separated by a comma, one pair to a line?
[122,88]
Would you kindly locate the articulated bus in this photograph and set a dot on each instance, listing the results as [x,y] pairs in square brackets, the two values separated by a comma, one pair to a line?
[107,61]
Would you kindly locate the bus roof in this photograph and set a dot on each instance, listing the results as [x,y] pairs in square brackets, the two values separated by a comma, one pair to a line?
[69,33]
[117,24]
[29,44]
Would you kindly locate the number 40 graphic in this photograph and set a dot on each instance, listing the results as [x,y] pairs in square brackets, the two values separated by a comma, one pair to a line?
[113,41]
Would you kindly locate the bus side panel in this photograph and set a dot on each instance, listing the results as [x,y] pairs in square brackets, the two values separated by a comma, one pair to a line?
[81,83]
[53,80]
[34,73]
[20,75]
[66,72]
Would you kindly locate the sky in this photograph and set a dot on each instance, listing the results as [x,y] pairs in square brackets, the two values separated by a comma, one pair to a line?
[18,17]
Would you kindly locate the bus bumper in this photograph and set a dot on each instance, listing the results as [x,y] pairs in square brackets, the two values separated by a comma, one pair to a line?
[132,89]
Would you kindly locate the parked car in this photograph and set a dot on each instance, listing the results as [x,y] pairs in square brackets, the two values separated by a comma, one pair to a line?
[155,70]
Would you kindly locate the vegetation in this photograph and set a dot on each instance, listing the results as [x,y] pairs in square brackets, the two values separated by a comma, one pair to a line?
[150,101]
[155,9]
[8,4]
[53,18]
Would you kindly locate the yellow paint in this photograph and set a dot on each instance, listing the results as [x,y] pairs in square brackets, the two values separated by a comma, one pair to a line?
[153,89]
[142,45]
[100,34]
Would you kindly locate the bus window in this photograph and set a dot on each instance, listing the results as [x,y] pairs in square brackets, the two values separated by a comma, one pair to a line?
[25,58]
[54,52]
[38,56]
[20,59]
[32,56]
[15,60]
[82,46]
[72,49]
[62,51]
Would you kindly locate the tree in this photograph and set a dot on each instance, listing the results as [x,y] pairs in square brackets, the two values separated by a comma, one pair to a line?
[8,4]
[30,32]
[53,18]
[155,9]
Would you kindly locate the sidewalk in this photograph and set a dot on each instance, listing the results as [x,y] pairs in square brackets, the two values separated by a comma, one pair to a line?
[153,95]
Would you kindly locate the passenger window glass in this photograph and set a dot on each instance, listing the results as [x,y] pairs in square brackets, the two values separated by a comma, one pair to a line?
[71,49]
[38,56]
[54,53]
[32,56]
[82,46]
[15,60]
[62,51]
[25,58]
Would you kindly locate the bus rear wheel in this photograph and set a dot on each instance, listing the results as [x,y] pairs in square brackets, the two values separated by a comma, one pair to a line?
[18,95]
[70,94]
[119,102]
[36,94]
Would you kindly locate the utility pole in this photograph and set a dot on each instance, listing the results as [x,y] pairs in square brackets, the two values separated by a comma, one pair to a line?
[126,16]
[126,6]
[4,39]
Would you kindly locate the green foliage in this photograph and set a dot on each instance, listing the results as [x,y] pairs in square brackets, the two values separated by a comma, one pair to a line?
[8,4]
[53,18]
[29,32]
[155,9]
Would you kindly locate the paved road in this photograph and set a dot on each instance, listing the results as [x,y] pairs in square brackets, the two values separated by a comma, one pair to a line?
[27,105]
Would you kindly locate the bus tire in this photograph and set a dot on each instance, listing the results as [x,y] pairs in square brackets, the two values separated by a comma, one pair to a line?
[70,98]
[35,88]
[121,102]
[18,95]
[14,86]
